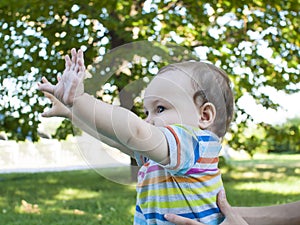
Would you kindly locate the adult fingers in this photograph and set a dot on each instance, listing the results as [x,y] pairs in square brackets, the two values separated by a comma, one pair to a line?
[232,218]
[178,220]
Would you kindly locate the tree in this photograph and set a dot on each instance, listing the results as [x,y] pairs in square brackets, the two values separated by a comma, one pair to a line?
[256,43]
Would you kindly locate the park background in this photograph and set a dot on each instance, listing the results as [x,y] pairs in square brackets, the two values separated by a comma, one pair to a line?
[47,177]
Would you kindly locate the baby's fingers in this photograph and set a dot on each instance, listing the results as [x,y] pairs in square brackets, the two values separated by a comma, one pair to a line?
[46,87]
[80,61]
[58,78]
[74,59]
[50,97]
[68,62]
[81,76]
[45,80]
[49,113]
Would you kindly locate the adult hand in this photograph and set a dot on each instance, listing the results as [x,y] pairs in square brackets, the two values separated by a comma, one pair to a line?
[232,218]
[71,84]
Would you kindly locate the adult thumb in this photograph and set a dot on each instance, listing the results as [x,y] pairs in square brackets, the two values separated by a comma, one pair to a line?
[232,217]
[223,203]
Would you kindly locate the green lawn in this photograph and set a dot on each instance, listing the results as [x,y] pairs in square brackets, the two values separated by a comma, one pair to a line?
[85,197]
[264,180]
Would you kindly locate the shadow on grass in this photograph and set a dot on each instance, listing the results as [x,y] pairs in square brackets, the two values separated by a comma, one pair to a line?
[77,197]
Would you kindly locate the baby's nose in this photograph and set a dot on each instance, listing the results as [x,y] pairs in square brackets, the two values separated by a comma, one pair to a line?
[150,120]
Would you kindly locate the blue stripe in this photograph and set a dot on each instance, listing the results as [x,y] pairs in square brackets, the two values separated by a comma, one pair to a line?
[198,215]
[202,214]
[157,216]
[196,152]
[138,209]
[205,138]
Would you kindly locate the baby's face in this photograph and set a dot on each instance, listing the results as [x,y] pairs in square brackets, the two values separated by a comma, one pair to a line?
[169,100]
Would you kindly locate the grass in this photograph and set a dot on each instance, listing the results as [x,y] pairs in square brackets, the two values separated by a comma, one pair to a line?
[263,180]
[66,198]
[85,197]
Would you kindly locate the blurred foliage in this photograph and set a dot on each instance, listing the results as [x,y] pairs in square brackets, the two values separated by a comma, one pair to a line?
[283,137]
[256,43]
[66,125]
[266,138]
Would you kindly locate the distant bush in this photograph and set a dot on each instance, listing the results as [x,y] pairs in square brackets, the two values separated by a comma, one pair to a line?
[284,137]
[268,138]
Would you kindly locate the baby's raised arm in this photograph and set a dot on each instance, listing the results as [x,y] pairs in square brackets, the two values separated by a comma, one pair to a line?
[122,126]
[59,109]
[116,123]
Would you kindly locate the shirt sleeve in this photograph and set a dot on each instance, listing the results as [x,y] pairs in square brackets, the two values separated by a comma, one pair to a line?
[140,159]
[185,148]
[181,143]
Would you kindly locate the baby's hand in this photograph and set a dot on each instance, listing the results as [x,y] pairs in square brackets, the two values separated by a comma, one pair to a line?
[70,85]
[57,108]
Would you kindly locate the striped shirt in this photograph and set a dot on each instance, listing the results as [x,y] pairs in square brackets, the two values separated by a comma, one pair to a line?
[187,186]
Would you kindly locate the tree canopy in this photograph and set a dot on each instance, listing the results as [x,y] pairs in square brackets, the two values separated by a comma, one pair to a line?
[257,43]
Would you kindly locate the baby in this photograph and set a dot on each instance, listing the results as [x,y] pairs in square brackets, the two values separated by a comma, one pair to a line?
[188,108]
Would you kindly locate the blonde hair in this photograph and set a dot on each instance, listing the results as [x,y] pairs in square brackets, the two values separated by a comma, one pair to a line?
[210,84]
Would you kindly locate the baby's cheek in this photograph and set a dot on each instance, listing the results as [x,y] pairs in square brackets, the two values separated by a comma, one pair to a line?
[170,119]
[160,122]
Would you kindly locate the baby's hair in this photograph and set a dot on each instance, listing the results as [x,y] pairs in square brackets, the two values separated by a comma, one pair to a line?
[211,84]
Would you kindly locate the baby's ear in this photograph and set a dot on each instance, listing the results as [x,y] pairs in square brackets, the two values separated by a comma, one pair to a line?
[207,115]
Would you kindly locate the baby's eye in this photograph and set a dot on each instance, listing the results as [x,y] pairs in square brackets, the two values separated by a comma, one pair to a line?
[146,113]
[160,109]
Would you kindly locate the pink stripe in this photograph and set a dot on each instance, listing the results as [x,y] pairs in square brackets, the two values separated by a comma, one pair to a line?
[141,174]
[153,168]
[196,170]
